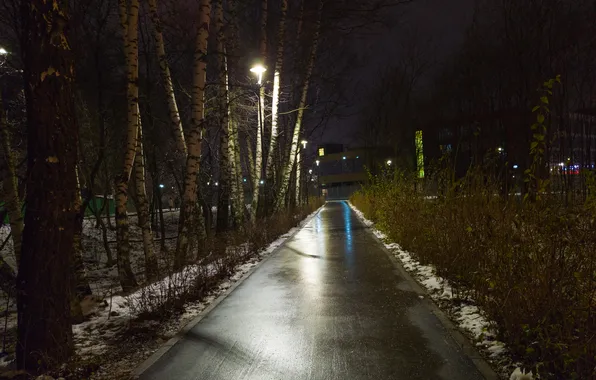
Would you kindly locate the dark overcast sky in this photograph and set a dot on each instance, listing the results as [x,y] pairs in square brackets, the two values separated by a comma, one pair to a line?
[443,21]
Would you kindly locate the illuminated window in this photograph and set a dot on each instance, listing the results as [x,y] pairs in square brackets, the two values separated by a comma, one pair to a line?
[321,152]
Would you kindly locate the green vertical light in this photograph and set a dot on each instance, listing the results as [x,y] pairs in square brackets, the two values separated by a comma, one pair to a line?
[419,154]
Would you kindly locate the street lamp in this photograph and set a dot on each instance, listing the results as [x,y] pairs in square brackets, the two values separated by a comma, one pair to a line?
[318,162]
[161,186]
[389,162]
[303,142]
[259,70]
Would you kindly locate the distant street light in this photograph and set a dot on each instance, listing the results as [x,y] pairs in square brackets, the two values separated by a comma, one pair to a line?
[216,183]
[161,185]
[303,142]
[262,182]
[499,149]
[515,166]
[344,157]
[259,70]
[3,51]
[317,162]
[309,171]
[389,162]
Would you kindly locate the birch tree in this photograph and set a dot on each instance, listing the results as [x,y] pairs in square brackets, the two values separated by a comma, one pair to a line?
[223,198]
[194,140]
[166,77]
[143,216]
[258,167]
[45,268]
[129,22]
[293,157]
[279,58]
[236,170]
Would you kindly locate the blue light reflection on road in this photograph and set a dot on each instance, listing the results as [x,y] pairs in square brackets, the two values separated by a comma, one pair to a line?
[348,228]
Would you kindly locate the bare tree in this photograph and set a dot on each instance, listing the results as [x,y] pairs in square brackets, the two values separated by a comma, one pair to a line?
[294,153]
[189,196]
[129,16]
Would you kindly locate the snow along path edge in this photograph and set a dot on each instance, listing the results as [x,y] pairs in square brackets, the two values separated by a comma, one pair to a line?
[270,251]
[424,291]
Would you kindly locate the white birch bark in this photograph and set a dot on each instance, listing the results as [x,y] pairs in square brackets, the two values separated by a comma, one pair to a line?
[166,77]
[284,188]
[237,183]
[258,167]
[276,88]
[194,137]
[143,215]
[297,195]
[223,198]
[125,274]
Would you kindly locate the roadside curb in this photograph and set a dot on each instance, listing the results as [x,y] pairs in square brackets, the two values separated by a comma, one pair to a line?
[145,365]
[462,341]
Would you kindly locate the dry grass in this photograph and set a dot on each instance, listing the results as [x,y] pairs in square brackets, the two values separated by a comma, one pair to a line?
[225,253]
[530,266]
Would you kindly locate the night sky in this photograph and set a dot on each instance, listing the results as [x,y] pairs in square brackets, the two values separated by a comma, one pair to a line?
[441,22]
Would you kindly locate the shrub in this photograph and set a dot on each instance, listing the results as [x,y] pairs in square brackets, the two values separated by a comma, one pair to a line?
[529,265]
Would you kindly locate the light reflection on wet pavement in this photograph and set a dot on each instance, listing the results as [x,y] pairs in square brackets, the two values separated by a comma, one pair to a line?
[328,305]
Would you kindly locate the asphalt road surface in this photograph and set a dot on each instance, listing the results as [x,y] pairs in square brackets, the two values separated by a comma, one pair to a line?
[328,305]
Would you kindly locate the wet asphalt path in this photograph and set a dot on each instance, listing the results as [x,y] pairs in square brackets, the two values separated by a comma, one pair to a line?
[328,305]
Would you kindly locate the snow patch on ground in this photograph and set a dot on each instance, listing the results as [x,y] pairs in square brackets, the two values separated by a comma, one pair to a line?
[93,337]
[466,315]
[519,374]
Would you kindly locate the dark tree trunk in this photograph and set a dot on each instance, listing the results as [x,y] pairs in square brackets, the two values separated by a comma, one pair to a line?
[45,269]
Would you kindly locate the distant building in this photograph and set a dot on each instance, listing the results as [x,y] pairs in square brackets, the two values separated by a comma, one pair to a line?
[340,172]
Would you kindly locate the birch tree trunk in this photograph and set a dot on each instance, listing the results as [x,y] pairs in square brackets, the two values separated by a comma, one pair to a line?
[297,198]
[189,196]
[125,273]
[166,77]
[261,119]
[9,184]
[151,269]
[284,188]
[237,183]
[275,100]
[45,268]
[223,198]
